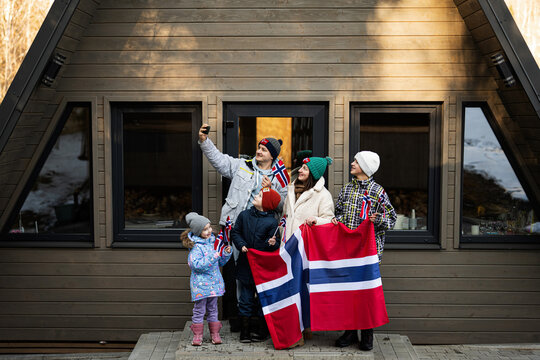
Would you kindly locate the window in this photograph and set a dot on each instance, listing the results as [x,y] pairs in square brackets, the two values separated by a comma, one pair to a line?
[156,170]
[494,206]
[57,202]
[407,139]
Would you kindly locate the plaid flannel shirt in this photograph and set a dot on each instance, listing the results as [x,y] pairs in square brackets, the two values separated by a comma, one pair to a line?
[349,205]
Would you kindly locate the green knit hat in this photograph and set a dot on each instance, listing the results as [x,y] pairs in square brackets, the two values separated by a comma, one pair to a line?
[317,165]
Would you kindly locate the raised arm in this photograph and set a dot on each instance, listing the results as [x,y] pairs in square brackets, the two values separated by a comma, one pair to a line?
[226,165]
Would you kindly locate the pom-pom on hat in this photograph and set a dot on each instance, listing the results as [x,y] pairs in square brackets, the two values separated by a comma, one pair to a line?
[317,165]
[273,145]
[368,161]
[196,223]
[270,199]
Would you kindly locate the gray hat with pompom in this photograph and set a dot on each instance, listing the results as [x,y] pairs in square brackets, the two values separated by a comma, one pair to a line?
[196,223]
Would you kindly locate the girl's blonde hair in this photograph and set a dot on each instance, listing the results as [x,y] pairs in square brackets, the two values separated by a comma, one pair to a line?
[186,241]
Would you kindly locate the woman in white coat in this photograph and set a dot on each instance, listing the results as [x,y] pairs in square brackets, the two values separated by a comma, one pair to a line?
[308,201]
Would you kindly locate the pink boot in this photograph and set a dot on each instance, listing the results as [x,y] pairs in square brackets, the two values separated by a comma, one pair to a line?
[197,334]
[214,331]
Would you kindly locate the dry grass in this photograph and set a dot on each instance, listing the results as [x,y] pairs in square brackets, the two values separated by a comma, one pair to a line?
[20,21]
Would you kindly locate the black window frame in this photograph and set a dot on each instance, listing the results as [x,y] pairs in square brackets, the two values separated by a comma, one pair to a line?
[431,236]
[34,240]
[232,111]
[506,241]
[149,238]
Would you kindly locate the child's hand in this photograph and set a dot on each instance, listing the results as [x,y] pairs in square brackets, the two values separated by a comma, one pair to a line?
[373,217]
[228,249]
[334,221]
[266,182]
[272,241]
[244,249]
[311,221]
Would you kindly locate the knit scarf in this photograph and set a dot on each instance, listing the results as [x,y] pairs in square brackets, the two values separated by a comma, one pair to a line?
[299,188]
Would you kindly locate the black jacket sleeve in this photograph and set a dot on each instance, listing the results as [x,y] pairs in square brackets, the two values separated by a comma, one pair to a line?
[236,233]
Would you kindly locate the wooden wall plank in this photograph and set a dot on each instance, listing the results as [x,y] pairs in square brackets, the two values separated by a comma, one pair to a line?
[92,321]
[272,15]
[510,311]
[467,337]
[82,269]
[468,7]
[88,334]
[250,84]
[93,282]
[444,297]
[459,324]
[98,308]
[461,271]
[277,56]
[214,43]
[411,28]
[95,295]
[469,284]
[231,4]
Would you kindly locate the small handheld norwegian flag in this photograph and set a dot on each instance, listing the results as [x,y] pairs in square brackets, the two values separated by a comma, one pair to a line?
[282,223]
[280,172]
[222,240]
[366,206]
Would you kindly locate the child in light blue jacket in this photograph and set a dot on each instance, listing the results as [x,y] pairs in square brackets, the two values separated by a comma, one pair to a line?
[206,282]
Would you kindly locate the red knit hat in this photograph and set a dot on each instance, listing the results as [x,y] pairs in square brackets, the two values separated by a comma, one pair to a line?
[270,199]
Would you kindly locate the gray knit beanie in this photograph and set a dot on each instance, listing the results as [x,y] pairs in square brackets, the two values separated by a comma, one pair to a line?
[196,223]
[273,146]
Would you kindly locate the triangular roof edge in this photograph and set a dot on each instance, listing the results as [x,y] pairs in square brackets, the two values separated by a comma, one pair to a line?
[516,49]
[33,65]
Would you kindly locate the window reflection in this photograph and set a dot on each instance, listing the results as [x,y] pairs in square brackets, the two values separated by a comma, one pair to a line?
[402,142]
[60,198]
[494,202]
[157,169]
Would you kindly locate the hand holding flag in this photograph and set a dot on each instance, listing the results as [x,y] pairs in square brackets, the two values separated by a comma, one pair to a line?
[222,240]
[282,224]
[280,172]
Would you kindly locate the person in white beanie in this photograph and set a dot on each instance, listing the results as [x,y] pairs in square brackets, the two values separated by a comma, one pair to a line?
[358,200]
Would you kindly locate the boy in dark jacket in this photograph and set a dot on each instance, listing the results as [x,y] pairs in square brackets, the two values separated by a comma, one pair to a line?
[254,229]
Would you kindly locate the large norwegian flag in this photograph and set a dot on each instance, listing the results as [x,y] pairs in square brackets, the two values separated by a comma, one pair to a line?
[324,277]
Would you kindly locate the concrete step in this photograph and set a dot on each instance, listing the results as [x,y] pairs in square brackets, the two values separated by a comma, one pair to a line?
[156,346]
[320,347]
[177,346]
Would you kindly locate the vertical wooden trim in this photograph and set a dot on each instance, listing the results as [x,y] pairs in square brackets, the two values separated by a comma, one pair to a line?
[204,168]
[108,171]
[219,144]
[346,137]
[459,168]
[445,108]
[331,142]
[94,169]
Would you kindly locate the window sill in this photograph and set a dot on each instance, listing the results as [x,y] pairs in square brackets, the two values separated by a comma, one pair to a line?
[46,244]
[500,246]
[147,245]
[395,246]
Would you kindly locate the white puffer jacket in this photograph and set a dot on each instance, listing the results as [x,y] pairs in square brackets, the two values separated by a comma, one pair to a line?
[316,202]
